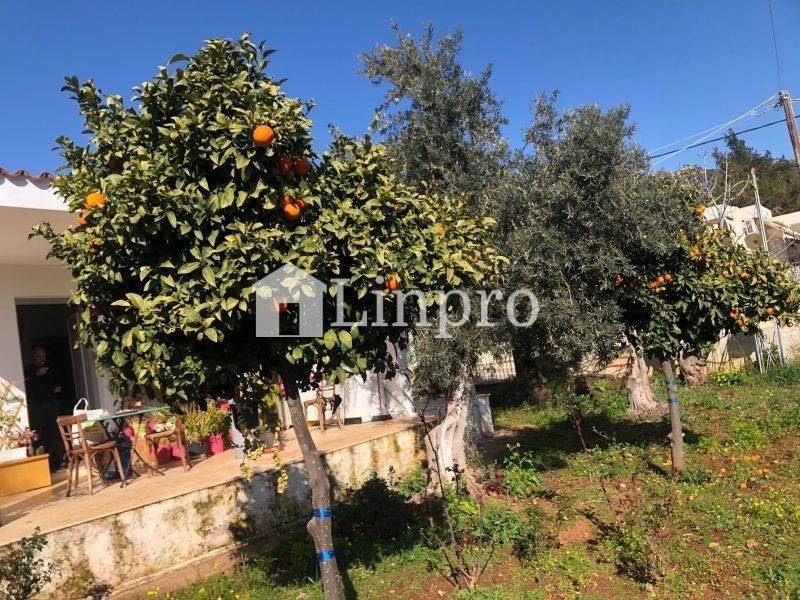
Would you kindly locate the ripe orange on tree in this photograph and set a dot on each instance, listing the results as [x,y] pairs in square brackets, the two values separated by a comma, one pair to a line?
[393,282]
[291,212]
[287,200]
[263,136]
[301,166]
[285,164]
[301,204]
[94,200]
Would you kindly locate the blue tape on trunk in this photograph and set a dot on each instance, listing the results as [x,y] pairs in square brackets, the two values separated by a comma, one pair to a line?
[670,382]
[323,513]
[672,400]
[325,556]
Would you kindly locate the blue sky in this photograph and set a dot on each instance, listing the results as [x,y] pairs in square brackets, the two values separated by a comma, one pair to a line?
[683,65]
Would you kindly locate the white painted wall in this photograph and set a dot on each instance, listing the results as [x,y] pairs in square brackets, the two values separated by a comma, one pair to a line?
[24,282]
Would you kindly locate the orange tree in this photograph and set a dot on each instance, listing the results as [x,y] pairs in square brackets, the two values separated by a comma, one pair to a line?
[207,184]
[706,286]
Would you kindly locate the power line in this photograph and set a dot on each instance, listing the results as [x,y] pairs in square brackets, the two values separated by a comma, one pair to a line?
[775,45]
[756,111]
[724,137]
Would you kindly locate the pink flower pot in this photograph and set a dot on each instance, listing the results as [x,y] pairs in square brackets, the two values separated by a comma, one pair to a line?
[215,445]
[176,452]
[164,454]
[168,452]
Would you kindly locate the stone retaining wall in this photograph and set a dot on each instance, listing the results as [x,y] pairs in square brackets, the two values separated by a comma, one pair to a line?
[126,550]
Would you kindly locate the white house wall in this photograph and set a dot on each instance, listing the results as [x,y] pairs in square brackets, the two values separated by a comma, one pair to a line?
[24,282]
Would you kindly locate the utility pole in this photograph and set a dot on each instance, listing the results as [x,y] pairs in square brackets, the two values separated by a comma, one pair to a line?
[786,102]
[765,245]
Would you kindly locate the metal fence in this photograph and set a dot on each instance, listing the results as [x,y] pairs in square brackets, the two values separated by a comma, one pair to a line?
[496,369]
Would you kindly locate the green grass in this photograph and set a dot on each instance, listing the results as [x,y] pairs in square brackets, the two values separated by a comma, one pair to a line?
[729,528]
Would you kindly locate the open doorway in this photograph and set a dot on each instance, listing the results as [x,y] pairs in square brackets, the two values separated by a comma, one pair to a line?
[47,359]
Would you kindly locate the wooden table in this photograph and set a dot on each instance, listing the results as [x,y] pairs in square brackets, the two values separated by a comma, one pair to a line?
[118,418]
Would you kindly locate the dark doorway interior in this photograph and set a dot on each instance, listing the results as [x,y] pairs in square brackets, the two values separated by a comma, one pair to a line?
[289,319]
[47,326]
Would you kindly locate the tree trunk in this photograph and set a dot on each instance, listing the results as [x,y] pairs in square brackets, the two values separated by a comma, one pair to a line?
[641,399]
[676,436]
[446,443]
[320,524]
[693,369]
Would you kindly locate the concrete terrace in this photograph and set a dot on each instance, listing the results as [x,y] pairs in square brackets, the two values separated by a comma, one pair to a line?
[49,510]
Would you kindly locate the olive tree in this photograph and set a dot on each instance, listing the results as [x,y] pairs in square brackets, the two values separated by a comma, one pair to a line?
[578,205]
[206,184]
[442,125]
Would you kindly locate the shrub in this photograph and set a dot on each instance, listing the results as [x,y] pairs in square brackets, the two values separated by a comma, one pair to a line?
[533,536]
[785,375]
[520,478]
[22,574]
[784,577]
[746,434]
[635,555]
[729,377]
[412,484]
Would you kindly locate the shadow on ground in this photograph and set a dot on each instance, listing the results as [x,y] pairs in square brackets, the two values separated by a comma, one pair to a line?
[550,445]
[371,523]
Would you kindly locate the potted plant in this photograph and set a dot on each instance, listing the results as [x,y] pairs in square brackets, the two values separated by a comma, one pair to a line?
[218,427]
[13,439]
[207,427]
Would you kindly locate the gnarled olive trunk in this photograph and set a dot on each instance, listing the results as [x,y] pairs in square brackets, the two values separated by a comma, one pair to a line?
[320,524]
[446,443]
[676,434]
[693,369]
[641,399]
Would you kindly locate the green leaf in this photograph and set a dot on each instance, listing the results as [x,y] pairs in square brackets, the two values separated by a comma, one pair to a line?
[211,334]
[208,275]
[179,57]
[118,358]
[329,339]
[188,268]
[345,338]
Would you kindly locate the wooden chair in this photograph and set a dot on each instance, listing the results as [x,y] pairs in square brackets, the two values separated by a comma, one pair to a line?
[176,434]
[77,448]
[325,396]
